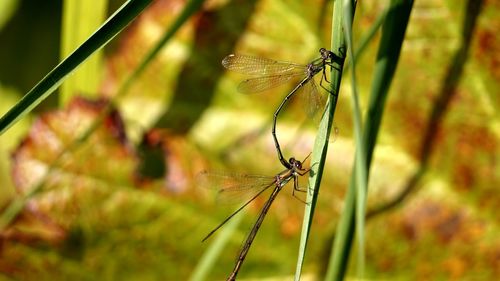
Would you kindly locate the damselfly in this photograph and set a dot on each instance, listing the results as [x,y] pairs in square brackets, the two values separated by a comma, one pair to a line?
[259,184]
[271,73]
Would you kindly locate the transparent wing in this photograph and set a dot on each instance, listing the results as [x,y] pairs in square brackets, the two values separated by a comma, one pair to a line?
[234,188]
[260,66]
[259,84]
[313,100]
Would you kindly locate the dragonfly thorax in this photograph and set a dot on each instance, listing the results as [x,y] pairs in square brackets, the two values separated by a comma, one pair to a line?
[312,69]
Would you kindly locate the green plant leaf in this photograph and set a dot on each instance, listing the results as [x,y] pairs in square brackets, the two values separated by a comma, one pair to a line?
[393,32]
[320,148]
[360,169]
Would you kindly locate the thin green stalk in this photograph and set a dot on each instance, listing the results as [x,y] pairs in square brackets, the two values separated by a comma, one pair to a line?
[368,36]
[393,32]
[121,18]
[320,148]
[442,103]
[360,172]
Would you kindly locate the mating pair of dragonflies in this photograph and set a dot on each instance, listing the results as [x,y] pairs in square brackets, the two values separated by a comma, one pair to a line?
[266,74]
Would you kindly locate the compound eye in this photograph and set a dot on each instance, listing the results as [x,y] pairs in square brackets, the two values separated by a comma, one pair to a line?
[322,50]
[296,163]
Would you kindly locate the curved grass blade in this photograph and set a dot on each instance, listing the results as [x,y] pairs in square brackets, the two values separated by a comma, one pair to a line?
[121,18]
[360,170]
[393,32]
[440,108]
[369,35]
[322,139]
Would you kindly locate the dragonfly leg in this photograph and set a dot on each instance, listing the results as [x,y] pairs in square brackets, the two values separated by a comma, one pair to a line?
[296,183]
[297,188]
[321,84]
[332,66]
[303,172]
[324,73]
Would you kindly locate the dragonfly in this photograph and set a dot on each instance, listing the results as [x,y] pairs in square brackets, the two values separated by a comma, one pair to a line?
[258,184]
[268,73]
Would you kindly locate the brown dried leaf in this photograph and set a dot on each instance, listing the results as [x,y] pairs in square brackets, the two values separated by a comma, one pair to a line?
[72,177]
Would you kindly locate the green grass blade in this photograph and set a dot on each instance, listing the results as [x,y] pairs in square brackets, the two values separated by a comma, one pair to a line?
[79,20]
[393,32]
[367,37]
[370,34]
[121,18]
[360,172]
[442,104]
[322,139]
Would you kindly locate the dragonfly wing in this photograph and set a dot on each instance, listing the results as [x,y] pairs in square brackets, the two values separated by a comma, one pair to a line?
[235,188]
[257,66]
[313,100]
[259,84]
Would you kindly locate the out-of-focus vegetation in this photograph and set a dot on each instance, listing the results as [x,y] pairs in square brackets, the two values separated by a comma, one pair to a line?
[125,203]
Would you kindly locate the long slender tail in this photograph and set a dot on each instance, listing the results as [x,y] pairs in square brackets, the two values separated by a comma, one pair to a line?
[275,120]
[253,232]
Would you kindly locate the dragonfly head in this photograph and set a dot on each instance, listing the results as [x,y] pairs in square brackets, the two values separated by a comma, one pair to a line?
[296,164]
[326,54]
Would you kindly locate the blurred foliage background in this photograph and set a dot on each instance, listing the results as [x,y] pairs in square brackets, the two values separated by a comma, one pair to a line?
[126,203]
